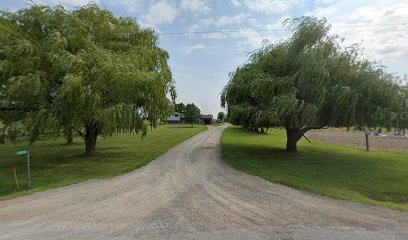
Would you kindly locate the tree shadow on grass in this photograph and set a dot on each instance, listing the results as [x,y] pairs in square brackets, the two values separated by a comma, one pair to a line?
[260,150]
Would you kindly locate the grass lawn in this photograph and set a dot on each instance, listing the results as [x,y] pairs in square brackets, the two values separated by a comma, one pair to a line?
[55,164]
[377,178]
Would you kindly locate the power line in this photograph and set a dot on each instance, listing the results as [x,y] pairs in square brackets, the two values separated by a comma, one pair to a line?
[273,30]
[371,25]
[224,31]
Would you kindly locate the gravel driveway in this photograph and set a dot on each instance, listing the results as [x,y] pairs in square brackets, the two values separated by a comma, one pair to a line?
[190,193]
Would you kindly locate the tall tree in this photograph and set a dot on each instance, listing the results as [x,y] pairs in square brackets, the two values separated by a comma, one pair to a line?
[84,69]
[180,107]
[221,116]
[400,118]
[307,82]
[192,113]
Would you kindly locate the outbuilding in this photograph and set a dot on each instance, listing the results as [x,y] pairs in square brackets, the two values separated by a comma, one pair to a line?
[207,119]
[175,118]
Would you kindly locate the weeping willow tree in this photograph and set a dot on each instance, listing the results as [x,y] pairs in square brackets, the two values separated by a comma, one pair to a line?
[399,119]
[308,82]
[83,70]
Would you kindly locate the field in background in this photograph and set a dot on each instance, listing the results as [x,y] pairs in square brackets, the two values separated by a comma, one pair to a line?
[55,164]
[387,141]
[376,177]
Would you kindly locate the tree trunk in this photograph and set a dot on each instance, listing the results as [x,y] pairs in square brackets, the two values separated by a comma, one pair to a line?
[293,136]
[70,137]
[90,139]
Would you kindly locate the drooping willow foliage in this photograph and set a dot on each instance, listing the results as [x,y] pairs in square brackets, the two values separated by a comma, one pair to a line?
[308,82]
[399,115]
[83,70]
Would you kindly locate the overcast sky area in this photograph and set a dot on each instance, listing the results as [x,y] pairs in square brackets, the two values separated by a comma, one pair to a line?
[204,47]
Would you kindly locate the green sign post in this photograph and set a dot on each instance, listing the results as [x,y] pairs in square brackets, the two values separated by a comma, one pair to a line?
[23,153]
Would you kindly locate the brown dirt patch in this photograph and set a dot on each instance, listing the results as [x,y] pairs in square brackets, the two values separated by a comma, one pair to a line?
[387,142]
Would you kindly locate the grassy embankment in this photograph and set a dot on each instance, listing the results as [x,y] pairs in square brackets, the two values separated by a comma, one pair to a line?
[377,178]
[55,164]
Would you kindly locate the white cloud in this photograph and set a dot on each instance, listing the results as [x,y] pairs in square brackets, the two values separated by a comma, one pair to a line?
[215,35]
[67,3]
[279,23]
[323,2]
[160,13]
[236,3]
[248,38]
[128,5]
[255,22]
[322,12]
[222,21]
[245,38]
[384,42]
[225,20]
[196,6]
[376,27]
[187,50]
[267,6]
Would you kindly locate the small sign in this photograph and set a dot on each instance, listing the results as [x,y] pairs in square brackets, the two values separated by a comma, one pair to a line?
[22,153]
[25,153]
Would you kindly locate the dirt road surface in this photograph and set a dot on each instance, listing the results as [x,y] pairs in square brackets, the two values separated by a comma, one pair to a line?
[191,193]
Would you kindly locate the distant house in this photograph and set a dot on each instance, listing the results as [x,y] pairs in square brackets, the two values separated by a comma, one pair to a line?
[175,117]
[207,119]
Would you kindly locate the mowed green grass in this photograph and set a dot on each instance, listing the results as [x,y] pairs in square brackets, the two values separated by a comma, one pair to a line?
[375,177]
[55,164]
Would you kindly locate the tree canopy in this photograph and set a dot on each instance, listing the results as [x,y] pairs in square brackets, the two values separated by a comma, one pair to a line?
[221,116]
[399,118]
[192,113]
[308,82]
[180,107]
[84,70]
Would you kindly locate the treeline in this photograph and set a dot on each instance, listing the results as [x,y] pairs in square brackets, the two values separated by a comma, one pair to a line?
[192,113]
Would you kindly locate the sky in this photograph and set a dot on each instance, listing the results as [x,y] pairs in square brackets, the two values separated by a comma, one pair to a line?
[208,39]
